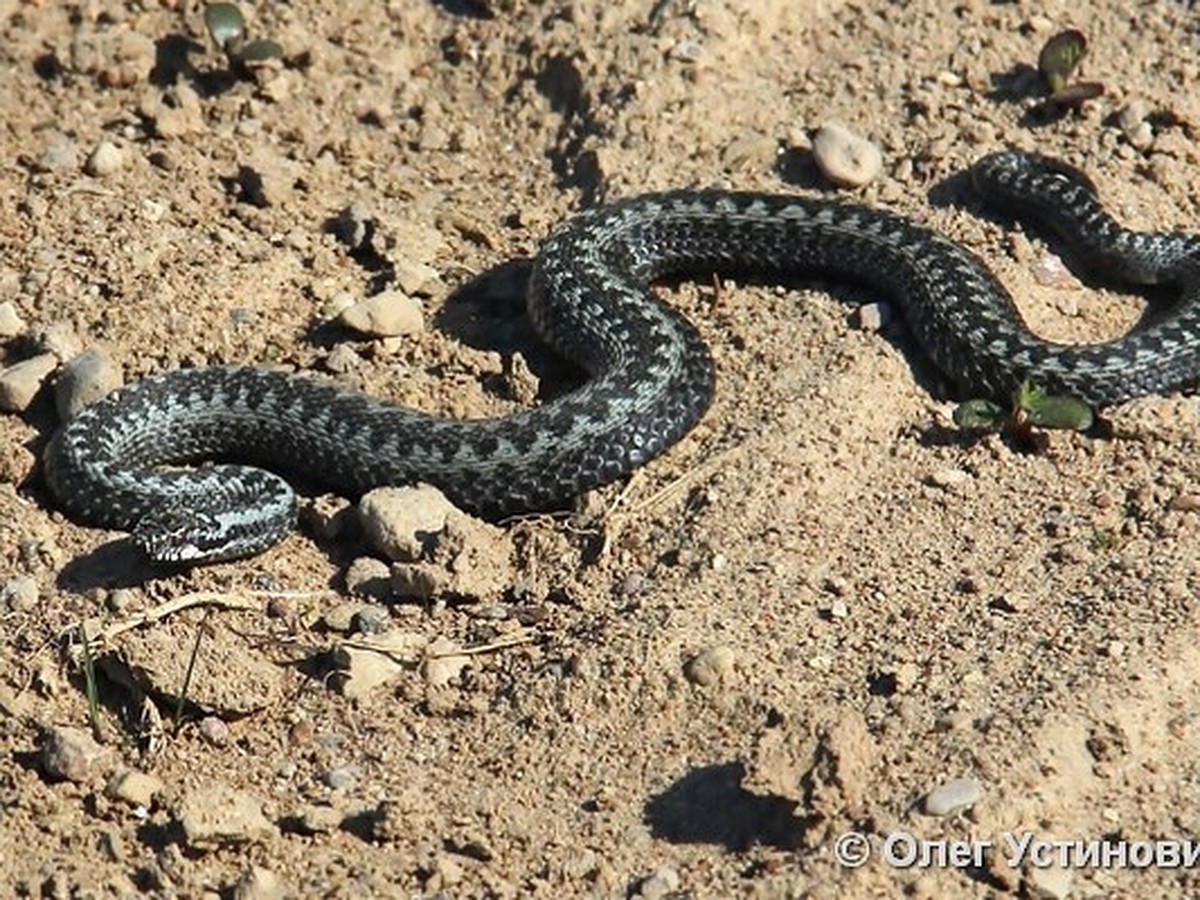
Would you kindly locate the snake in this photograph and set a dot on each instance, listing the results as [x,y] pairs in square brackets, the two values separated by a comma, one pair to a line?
[195,463]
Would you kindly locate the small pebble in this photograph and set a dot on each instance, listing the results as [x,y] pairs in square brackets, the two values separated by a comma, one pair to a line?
[1051,271]
[443,662]
[134,787]
[1134,125]
[874,316]
[71,754]
[686,51]
[20,382]
[662,883]
[341,778]
[218,815]
[907,676]
[403,523]
[59,338]
[84,380]
[370,620]
[61,153]
[301,733]
[19,594]
[711,666]
[444,872]
[387,314]
[258,883]
[1185,502]
[375,661]
[105,159]
[342,359]
[215,730]
[948,478]
[354,226]
[414,277]
[318,819]
[844,157]
[1050,882]
[120,600]
[328,516]
[953,796]
[369,577]
[11,324]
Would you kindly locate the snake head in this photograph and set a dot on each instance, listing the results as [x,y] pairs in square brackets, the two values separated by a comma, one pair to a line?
[179,536]
[197,536]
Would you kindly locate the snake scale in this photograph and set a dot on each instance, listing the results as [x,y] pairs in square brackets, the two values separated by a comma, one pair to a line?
[651,375]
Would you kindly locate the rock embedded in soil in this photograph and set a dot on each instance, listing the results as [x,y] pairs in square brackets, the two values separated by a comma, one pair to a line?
[84,380]
[370,620]
[844,157]
[71,754]
[11,323]
[105,159]
[444,662]
[375,660]
[215,731]
[873,316]
[134,787]
[402,523]
[258,883]
[437,549]
[663,882]
[61,153]
[217,815]
[711,666]
[387,314]
[19,594]
[953,796]
[20,382]
[341,778]
[1049,882]
[59,338]
[369,577]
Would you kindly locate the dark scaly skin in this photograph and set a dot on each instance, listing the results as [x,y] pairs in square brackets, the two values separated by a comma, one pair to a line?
[652,376]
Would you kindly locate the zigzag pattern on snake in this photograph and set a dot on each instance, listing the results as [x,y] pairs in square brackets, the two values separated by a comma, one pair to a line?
[651,374]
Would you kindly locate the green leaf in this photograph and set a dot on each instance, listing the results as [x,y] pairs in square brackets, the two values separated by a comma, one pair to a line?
[1060,56]
[980,414]
[259,51]
[1059,412]
[1028,395]
[224,23]
[1035,407]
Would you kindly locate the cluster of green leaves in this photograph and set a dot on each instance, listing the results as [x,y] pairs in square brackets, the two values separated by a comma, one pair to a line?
[1031,408]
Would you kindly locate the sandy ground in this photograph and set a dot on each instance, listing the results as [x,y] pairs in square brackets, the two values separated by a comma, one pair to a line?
[818,608]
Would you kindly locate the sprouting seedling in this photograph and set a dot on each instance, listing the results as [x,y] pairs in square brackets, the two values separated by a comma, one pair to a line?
[227,27]
[89,683]
[1059,58]
[1031,408]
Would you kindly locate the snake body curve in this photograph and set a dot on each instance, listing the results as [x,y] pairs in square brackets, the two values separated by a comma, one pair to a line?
[651,374]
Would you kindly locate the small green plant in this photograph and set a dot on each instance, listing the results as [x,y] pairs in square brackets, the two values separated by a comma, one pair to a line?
[89,683]
[1031,408]
[227,27]
[181,701]
[1059,58]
